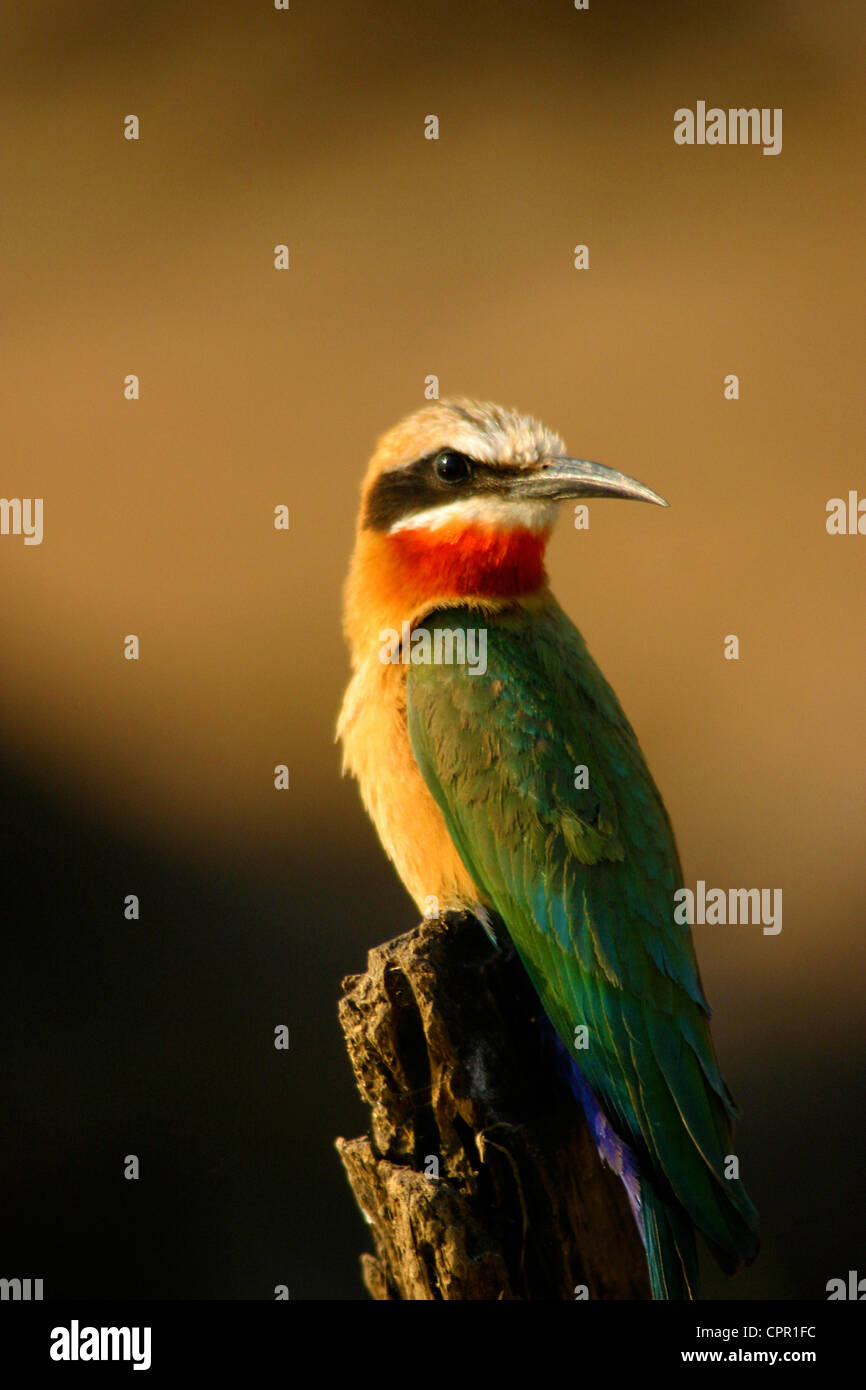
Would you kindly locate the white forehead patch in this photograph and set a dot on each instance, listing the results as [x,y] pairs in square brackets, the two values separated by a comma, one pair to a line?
[496,512]
[484,431]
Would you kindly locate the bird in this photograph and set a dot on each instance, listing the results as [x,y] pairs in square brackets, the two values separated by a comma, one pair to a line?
[468,774]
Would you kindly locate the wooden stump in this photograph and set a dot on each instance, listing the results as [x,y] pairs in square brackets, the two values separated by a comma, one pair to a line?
[479,1177]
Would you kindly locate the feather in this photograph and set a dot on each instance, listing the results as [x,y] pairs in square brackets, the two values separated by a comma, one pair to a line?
[583,879]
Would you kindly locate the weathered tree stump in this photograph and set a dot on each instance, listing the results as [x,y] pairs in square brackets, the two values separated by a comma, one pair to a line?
[479,1178]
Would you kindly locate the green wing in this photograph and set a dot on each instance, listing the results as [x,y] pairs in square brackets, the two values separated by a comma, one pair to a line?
[584,881]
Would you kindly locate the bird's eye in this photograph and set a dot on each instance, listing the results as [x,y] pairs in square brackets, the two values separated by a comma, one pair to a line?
[452,467]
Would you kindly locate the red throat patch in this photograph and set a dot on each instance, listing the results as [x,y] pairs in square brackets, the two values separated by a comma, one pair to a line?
[471,561]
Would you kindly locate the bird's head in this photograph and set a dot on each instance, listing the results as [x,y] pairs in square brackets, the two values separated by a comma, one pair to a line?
[458,504]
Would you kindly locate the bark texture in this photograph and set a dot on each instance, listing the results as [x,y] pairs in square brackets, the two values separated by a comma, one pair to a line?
[479,1177]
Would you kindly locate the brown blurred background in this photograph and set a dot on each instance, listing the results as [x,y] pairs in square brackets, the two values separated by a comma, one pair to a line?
[408,257]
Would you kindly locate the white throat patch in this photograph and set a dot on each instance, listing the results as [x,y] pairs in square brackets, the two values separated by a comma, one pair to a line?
[495,512]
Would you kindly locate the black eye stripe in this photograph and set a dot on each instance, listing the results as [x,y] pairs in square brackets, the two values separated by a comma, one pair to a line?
[401,492]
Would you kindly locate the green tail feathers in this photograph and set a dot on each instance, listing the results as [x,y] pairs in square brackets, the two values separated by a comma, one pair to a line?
[669,1238]
[671,1248]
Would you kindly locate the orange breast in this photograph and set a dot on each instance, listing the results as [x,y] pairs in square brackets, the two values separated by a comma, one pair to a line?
[376,750]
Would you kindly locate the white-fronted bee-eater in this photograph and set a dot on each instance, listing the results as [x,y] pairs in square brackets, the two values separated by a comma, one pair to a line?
[473,701]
